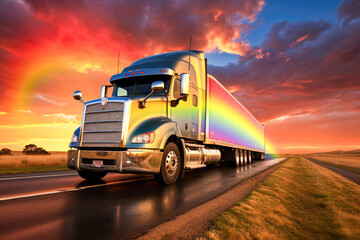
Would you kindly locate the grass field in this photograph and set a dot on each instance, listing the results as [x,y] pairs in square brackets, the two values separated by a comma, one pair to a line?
[347,160]
[20,163]
[293,203]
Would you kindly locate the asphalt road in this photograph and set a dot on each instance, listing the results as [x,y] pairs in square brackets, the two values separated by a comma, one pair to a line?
[60,205]
[353,176]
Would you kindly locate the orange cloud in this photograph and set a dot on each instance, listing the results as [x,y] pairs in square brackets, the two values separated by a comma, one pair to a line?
[300,39]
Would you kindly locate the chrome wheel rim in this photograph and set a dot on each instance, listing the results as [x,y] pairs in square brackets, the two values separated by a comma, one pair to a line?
[171,163]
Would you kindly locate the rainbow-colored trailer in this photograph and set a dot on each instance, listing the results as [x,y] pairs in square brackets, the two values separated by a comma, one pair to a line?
[165,114]
[229,123]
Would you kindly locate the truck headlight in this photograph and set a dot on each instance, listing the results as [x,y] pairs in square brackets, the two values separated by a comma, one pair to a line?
[74,138]
[144,138]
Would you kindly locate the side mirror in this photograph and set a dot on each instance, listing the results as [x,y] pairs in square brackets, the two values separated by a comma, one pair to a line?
[78,96]
[157,86]
[184,84]
[104,89]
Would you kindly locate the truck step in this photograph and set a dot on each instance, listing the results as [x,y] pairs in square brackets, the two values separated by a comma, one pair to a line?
[195,166]
[194,145]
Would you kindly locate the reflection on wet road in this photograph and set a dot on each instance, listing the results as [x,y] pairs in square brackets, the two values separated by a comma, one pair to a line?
[115,211]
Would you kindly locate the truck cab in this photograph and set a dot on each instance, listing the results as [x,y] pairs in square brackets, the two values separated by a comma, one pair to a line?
[142,120]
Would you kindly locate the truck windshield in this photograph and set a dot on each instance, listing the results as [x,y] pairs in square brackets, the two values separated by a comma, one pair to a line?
[139,85]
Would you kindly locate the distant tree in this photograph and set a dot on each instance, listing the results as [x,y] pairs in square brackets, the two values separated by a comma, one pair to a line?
[5,151]
[33,149]
[41,151]
[29,149]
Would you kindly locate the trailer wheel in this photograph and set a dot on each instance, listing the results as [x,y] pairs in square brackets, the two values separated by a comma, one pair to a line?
[250,157]
[237,161]
[245,157]
[241,157]
[170,164]
[92,176]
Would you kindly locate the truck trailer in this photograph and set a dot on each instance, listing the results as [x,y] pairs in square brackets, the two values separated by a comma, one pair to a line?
[161,115]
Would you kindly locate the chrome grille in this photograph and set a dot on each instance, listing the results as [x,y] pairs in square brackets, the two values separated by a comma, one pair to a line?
[103,127]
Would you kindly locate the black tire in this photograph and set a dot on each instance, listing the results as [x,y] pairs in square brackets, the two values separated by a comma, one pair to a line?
[237,160]
[250,158]
[245,157]
[242,157]
[170,164]
[92,176]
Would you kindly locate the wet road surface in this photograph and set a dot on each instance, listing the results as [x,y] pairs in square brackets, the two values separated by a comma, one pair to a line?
[353,176]
[63,206]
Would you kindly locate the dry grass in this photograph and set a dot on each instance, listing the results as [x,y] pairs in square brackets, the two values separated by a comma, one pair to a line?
[292,204]
[351,162]
[18,163]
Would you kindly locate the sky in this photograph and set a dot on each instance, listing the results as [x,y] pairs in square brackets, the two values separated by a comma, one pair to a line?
[293,64]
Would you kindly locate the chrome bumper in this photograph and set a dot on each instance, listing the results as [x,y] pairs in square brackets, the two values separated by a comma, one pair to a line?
[130,161]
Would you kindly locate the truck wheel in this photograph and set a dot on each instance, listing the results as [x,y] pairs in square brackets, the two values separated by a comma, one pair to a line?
[92,176]
[250,157]
[237,161]
[241,157]
[170,164]
[245,157]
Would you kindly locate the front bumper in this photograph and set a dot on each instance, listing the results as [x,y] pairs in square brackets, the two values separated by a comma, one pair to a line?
[129,161]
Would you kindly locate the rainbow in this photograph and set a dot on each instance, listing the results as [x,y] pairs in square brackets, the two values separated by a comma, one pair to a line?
[33,78]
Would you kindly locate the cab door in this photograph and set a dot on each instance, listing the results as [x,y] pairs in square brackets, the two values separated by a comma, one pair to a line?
[185,111]
[193,112]
[179,109]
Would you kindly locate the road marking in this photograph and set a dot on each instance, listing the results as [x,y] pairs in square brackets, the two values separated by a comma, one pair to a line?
[70,189]
[39,176]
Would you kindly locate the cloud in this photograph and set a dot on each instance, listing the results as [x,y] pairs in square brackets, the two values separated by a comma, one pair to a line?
[349,10]
[309,66]
[24,111]
[286,34]
[46,99]
[135,24]
[3,113]
[62,117]
[300,39]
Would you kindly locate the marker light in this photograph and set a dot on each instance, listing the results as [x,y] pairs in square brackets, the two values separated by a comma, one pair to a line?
[74,138]
[144,138]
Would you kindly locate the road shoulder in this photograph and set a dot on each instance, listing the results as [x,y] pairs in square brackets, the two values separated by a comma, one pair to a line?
[195,222]
[351,175]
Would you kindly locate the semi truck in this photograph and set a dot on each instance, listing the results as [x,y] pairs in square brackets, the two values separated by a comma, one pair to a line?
[162,115]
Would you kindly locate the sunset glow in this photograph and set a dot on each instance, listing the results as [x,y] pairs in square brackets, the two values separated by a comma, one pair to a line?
[301,80]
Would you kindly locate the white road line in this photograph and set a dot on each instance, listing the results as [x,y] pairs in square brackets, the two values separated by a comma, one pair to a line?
[63,190]
[39,176]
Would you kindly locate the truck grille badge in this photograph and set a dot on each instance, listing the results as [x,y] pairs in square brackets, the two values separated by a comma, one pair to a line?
[103,102]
